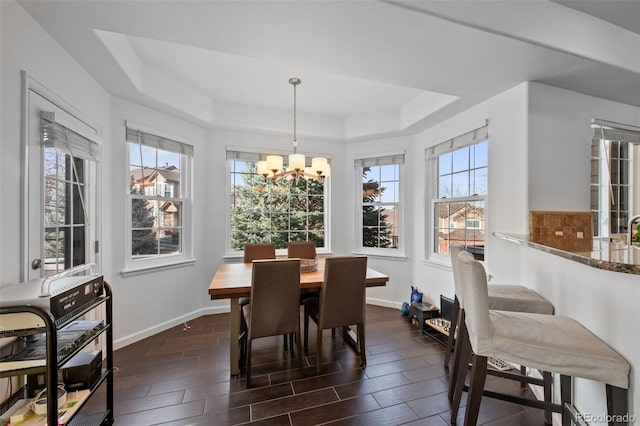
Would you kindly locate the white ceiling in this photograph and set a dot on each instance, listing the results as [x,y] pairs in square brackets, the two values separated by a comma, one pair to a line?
[368,68]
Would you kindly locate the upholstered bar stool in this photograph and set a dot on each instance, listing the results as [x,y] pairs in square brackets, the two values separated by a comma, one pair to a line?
[550,343]
[503,297]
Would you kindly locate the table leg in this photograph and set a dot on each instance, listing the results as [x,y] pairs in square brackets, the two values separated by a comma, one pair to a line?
[234,335]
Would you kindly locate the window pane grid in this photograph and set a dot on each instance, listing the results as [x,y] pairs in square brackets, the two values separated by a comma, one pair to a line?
[273,212]
[459,209]
[380,206]
[64,215]
[157,183]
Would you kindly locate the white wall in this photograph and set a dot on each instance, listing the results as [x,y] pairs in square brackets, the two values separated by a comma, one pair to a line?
[507,199]
[559,166]
[25,46]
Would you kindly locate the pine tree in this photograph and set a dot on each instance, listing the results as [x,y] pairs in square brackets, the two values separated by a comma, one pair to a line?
[375,232]
[143,240]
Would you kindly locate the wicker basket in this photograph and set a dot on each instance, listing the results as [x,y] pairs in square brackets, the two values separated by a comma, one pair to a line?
[308,265]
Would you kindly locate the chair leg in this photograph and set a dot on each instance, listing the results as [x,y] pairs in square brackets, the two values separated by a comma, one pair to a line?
[617,405]
[361,342]
[478,377]
[306,328]
[565,398]
[456,352]
[455,311]
[464,352]
[548,414]
[248,363]
[299,351]
[319,352]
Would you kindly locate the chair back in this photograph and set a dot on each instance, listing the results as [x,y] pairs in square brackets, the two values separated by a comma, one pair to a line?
[275,298]
[342,297]
[473,279]
[301,249]
[257,251]
[454,250]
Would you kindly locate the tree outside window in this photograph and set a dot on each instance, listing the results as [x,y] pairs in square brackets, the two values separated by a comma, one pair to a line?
[266,212]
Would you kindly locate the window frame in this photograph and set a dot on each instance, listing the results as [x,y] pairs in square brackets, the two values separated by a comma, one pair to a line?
[250,154]
[132,265]
[386,158]
[432,155]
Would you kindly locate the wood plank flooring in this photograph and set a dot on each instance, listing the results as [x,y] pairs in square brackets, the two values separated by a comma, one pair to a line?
[181,377]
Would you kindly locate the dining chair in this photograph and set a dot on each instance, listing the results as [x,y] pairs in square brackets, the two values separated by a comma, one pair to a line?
[254,251]
[274,308]
[341,302]
[258,251]
[550,343]
[301,249]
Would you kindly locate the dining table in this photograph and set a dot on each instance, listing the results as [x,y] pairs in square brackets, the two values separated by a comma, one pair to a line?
[233,281]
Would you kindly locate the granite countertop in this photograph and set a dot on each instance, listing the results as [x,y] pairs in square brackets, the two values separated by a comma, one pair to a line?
[606,254]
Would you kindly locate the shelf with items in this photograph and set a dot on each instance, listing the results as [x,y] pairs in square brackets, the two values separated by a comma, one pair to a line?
[46,344]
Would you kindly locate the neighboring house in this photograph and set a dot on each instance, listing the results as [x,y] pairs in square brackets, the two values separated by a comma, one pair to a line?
[163,182]
[452,226]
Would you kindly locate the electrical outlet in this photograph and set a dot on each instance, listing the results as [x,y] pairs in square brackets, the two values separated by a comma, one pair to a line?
[580,235]
[559,233]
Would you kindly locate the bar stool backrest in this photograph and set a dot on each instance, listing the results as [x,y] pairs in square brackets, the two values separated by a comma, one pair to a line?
[454,250]
[475,294]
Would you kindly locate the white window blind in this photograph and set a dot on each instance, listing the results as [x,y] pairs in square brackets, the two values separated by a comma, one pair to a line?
[474,136]
[55,135]
[610,131]
[379,161]
[143,138]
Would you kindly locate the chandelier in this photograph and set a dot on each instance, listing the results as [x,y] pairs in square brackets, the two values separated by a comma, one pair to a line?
[273,167]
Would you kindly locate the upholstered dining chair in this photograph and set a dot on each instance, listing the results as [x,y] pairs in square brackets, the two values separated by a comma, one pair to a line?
[274,308]
[254,251]
[258,251]
[550,343]
[341,302]
[301,249]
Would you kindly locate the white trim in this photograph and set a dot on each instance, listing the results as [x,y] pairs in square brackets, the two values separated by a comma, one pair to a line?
[134,267]
[129,272]
[377,251]
[380,254]
[30,84]
[158,328]
[383,303]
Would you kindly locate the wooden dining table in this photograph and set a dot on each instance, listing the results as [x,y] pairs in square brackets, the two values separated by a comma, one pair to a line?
[233,281]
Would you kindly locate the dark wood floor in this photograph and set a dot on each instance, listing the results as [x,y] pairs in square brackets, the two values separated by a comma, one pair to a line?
[181,377]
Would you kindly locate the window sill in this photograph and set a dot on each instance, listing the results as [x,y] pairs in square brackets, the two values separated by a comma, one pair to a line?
[445,266]
[154,268]
[398,257]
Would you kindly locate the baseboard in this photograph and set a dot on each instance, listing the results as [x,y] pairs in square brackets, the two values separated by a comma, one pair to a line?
[148,332]
[143,334]
[384,303]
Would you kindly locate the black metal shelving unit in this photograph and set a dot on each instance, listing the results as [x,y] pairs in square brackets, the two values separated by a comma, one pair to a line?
[54,361]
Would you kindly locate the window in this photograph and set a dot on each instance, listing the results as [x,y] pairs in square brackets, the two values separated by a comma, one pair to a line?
[69,165]
[458,169]
[159,186]
[613,151]
[379,212]
[262,211]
